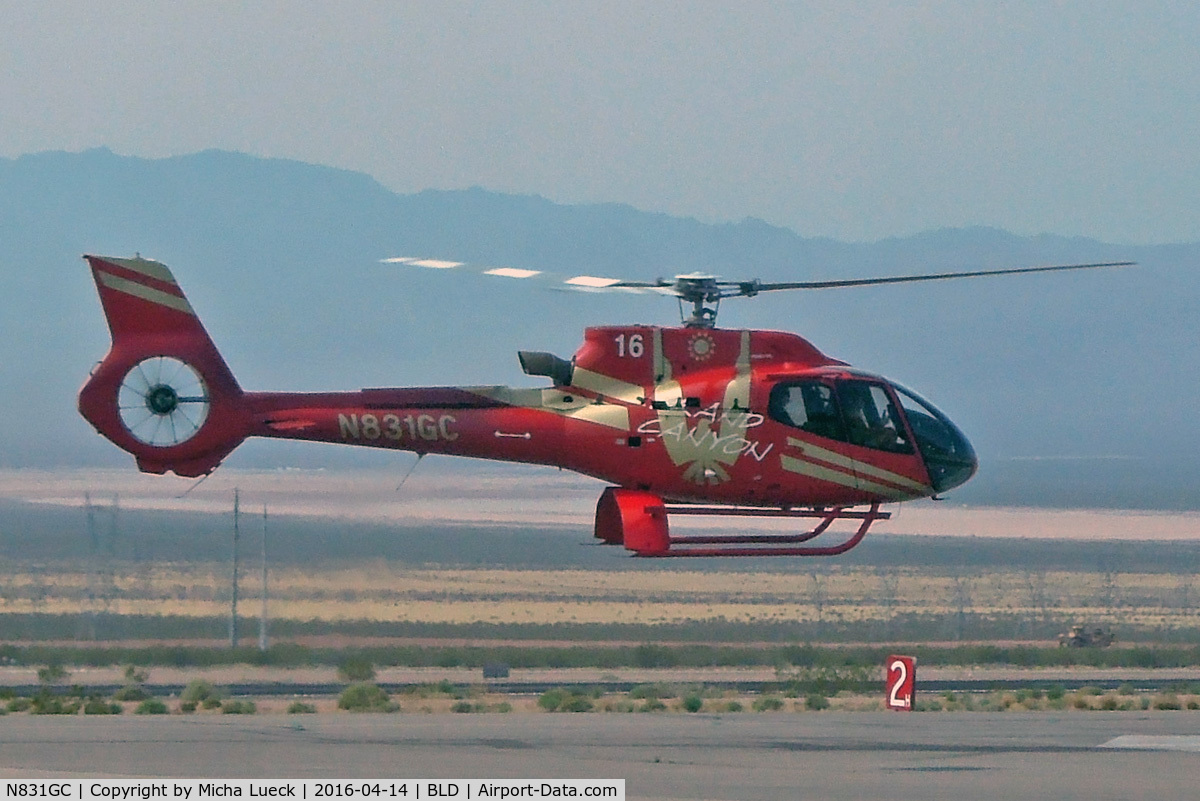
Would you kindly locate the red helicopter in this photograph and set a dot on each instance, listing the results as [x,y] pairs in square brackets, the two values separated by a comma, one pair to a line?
[689,420]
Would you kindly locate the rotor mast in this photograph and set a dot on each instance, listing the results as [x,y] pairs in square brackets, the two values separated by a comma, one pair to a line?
[705,298]
[704,292]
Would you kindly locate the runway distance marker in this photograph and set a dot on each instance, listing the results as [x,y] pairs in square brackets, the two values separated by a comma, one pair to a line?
[901,686]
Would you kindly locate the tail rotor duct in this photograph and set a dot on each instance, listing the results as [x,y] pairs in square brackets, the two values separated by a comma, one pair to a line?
[163,401]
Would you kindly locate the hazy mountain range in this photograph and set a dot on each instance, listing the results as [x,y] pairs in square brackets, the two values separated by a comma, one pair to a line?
[1076,388]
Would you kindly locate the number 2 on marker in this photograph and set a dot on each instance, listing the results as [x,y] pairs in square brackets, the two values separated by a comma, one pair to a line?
[894,697]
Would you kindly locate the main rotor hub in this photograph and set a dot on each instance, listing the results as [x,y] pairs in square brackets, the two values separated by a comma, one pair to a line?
[704,293]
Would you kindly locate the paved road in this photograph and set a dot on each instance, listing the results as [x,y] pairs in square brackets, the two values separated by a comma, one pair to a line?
[330,690]
[1092,756]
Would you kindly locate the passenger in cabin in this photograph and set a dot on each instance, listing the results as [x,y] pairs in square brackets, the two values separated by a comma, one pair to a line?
[809,406]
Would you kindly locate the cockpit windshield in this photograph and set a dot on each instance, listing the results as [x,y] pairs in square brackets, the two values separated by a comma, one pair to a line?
[948,456]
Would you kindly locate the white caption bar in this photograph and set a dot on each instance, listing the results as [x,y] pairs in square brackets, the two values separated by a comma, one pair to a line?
[402,789]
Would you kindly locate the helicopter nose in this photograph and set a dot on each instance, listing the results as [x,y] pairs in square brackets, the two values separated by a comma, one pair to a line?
[951,467]
[949,458]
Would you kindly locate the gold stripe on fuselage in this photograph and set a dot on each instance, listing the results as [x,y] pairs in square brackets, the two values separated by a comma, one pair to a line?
[823,473]
[558,402]
[607,386]
[859,467]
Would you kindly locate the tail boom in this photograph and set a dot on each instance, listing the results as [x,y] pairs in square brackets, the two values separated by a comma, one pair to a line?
[446,420]
[164,394]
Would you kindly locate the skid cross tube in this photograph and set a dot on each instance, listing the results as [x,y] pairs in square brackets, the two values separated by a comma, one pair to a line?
[827,517]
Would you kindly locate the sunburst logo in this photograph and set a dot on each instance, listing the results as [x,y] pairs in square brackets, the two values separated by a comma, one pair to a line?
[702,347]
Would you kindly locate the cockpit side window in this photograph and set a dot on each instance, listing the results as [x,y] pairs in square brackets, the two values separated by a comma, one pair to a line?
[871,418]
[809,406]
[860,412]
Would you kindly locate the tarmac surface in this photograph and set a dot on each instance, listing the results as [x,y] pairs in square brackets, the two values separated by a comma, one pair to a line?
[262,680]
[740,757]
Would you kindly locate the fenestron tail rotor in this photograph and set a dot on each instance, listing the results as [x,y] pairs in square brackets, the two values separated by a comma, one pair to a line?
[163,401]
[705,292]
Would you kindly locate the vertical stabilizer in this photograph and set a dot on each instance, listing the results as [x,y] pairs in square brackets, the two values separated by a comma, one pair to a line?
[163,392]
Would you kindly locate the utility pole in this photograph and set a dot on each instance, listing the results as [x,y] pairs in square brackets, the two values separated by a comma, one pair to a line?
[262,618]
[233,616]
[114,524]
[93,565]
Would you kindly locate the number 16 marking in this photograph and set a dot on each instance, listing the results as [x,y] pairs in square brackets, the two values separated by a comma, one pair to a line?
[636,349]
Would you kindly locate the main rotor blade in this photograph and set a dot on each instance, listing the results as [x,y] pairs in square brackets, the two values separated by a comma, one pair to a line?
[576,282]
[698,288]
[754,288]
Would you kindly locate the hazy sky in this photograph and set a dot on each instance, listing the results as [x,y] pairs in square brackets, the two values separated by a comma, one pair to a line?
[856,121]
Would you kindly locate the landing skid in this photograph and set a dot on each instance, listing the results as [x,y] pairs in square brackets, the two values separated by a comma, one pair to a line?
[638,520]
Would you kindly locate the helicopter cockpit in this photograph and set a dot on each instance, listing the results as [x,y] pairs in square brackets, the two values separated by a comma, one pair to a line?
[873,413]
